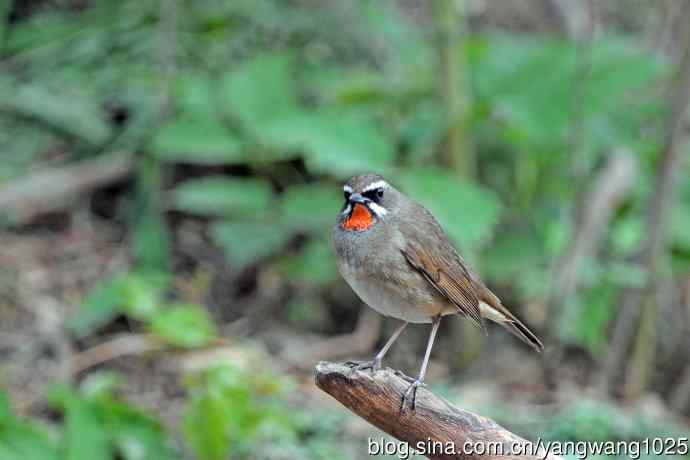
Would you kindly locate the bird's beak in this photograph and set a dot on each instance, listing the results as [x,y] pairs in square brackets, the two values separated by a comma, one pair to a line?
[357,198]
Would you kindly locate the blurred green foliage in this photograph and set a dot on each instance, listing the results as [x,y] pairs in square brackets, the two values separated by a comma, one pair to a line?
[270,105]
[141,296]
[94,424]
[600,421]
[228,414]
[236,414]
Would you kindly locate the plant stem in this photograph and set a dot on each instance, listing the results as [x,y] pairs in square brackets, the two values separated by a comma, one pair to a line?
[659,204]
[453,90]
[458,153]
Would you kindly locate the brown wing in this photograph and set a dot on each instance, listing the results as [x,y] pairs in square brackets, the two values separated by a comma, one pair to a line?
[431,254]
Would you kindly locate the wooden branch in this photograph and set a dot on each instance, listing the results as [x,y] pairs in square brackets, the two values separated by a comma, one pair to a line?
[454,433]
[117,347]
[578,17]
[641,365]
[54,189]
[608,190]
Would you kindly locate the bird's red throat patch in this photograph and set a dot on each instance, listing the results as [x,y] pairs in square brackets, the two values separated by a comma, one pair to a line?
[360,219]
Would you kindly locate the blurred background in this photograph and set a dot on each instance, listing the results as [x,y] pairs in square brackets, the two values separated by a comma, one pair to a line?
[171,170]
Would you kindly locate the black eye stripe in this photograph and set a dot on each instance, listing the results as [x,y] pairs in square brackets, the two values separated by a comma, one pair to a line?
[374,194]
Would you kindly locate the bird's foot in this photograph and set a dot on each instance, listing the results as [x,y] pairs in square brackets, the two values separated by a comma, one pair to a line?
[410,395]
[373,365]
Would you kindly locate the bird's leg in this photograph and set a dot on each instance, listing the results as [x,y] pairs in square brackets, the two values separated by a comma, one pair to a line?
[375,364]
[411,392]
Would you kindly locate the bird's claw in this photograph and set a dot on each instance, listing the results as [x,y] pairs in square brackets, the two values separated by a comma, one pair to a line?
[406,396]
[373,365]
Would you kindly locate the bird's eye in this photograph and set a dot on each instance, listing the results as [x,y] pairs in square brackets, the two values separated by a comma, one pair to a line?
[379,192]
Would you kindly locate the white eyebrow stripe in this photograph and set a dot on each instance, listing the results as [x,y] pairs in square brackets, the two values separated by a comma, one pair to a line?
[375,185]
[347,188]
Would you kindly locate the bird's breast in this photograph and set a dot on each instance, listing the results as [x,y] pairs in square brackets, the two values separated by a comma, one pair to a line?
[393,288]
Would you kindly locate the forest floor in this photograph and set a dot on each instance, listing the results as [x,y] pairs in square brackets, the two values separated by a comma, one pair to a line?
[47,272]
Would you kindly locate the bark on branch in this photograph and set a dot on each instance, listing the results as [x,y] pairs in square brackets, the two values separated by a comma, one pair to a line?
[54,189]
[376,398]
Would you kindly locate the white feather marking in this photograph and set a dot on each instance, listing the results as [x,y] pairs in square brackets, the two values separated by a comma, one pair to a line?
[347,210]
[375,185]
[489,312]
[347,188]
[380,211]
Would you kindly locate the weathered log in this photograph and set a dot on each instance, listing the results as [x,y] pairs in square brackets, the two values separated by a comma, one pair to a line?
[55,189]
[435,424]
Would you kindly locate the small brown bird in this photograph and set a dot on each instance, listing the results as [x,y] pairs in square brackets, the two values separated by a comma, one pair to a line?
[399,261]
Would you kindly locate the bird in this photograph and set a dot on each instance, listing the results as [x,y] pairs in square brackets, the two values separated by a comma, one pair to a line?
[399,261]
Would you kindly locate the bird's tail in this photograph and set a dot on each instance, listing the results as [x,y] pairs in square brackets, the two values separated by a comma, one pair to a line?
[499,314]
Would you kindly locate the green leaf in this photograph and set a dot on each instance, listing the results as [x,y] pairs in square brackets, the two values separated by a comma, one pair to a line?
[261,90]
[310,207]
[680,216]
[626,274]
[21,150]
[218,411]
[100,384]
[592,420]
[142,293]
[137,294]
[212,196]
[521,82]
[151,241]
[194,94]
[306,312]
[344,143]
[98,308]
[85,436]
[594,320]
[5,8]
[248,242]
[199,140]
[422,131]
[334,142]
[227,409]
[206,425]
[466,211]
[27,442]
[139,438]
[150,245]
[134,434]
[6,415]
[349,87]
[627,234]
[512,254]
[186,326]
[314,264]
[197,133]
[84,120]
[261,96]
[107,424]
[398,37]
